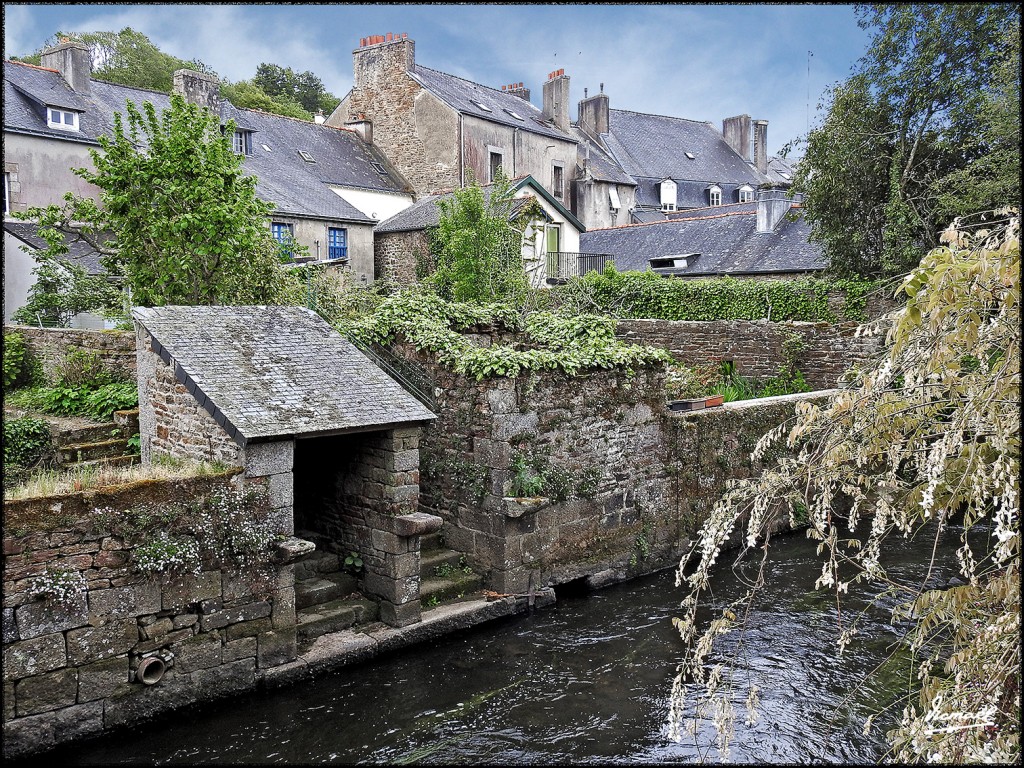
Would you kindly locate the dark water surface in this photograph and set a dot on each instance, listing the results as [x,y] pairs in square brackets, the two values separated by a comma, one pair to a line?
[586,681]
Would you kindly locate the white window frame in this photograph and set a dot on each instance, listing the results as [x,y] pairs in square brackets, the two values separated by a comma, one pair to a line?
[7,194]
[714,195]
[240,142]
[746,194]
[613,198]
[57,118]
[495,151]
[558,173]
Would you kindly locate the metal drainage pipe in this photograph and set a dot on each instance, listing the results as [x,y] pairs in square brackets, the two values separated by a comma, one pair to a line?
[151,670]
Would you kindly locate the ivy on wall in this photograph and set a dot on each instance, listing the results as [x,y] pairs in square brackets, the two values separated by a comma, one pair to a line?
[569,343]
[650,296]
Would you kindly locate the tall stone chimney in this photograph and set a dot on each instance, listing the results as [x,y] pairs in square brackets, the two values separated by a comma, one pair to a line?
[761,145]
[198,88]
[74,62]
[556,99]
[382,56]
[772,205]
[736,131]
[593,114]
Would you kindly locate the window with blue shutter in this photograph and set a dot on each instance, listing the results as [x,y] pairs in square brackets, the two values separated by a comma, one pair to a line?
[283,234]
[337,243]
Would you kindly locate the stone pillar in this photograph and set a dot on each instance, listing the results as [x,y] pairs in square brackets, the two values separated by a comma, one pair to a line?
[272,462]
[396,583]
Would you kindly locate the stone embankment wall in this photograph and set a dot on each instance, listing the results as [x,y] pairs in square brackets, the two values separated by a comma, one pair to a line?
[50,345]
[69,669]
[394,255]
[756,347]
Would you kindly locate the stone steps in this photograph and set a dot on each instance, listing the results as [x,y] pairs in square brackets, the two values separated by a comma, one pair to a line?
[439,562]
[460,585]
[334,616]
[78,453]
[326,588]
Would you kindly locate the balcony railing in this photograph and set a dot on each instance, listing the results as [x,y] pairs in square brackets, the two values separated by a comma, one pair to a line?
[561,265]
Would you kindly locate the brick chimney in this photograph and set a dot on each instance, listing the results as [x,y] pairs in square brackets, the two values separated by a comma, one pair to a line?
[736,131]
[772,205]
[593,113]
[74,62]
[556,99]
[517,89]
[382,56]
[198,88]
[761,145]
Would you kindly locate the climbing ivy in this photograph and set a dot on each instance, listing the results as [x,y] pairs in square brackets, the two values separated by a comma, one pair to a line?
[648,295]
[553,340]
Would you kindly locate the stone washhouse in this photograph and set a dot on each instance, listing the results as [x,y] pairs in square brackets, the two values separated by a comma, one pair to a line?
[277,391]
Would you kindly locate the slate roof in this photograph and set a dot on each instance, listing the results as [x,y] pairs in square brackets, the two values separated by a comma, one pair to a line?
[464,95]
[79,252]
[780,171]
[276,372]
[284,178]
[728,243]
[424,213]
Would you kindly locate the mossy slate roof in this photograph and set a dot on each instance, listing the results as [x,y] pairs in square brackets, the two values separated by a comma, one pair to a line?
[275,372]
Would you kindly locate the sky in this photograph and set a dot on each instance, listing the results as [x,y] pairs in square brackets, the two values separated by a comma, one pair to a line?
[704,62]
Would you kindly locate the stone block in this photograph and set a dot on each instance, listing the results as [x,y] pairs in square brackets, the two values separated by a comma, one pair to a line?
[184,620]
[10,626]
[400,615]
[512,424]
[276,648]
[247,629]
[502,400]
[262,459]
[242,648]
[48,616]
[403,461]
[188,589]
[34,656]
[166,641]
[94,643]
[283,613]
[492,453]
[141,702]
[225,680]
[280,490]
[198,652]
[154,629]
[282,520]
[78,722]
[27,735]
[416,524]
[390,543]
[46,692]
[101,679]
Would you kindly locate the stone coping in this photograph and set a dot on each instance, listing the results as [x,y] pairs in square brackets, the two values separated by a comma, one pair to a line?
[339,649]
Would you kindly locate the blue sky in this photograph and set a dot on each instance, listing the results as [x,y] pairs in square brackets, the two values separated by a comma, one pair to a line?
[698,61]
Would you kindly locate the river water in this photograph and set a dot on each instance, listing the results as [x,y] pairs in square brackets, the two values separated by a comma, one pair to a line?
[585,681]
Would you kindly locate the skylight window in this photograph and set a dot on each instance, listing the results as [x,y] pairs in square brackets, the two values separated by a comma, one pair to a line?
[484,107]
[306,156]
[378,168]
[517,117]
[690,155]
[784,175]
[265,147]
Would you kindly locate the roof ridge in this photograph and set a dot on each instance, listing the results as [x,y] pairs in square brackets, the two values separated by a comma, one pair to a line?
[481,85]
[676,221]
[32,66]
[667,117]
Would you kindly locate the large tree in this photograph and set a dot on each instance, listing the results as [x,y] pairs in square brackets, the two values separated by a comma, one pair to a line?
[303,88]
[187,225]
[926,445]
[927,128]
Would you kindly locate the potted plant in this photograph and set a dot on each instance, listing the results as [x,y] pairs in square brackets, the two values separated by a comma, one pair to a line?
[713,400]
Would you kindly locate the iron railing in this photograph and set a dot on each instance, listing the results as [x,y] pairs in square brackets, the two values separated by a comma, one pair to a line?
[412,379]
[561,265]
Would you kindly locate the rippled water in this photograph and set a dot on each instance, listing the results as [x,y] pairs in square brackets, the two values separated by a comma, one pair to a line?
[586,681]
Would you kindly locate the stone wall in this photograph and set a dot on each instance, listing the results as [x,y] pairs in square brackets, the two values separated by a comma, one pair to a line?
[51,345]
[70,669]
[756,347]
[394,255]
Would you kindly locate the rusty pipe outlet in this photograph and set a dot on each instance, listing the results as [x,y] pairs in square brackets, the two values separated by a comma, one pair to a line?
[151,670]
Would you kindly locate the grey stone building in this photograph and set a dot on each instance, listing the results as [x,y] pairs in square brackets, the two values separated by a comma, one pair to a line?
[439,130]
[329,186]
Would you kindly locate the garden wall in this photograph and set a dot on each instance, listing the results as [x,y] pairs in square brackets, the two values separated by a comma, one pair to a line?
[756,346]
[50,345]
[70,669]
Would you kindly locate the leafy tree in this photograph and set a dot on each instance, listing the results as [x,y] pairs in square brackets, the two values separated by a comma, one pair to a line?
[249,96]
[908,140]
[926,440]
[303,88]
[478,244]
[188,226]
[63,289]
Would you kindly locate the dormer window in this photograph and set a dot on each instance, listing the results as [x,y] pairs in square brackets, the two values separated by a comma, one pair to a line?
[746,194]
[613,197]
[714,195]
[63,119]
[240,142]
[668,195]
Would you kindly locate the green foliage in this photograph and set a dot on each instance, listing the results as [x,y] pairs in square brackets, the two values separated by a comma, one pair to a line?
[248,95]
[568,343]
[477,246]
[926,444]
[21,367]
[64,585]
[647,295]
[167,553]
[63,289]
[527,477]
[353,563]
[302,88]
[926,129]
[26,441]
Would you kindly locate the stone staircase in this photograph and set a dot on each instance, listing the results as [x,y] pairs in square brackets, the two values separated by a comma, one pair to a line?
[444,576]
[98,444]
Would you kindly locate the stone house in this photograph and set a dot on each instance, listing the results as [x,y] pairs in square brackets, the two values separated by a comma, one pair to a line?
[328,186]
[768,238]
[551,241]
[440,130]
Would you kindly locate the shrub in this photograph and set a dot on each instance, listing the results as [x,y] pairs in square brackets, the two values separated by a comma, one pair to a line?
[26,441]
[21,367]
